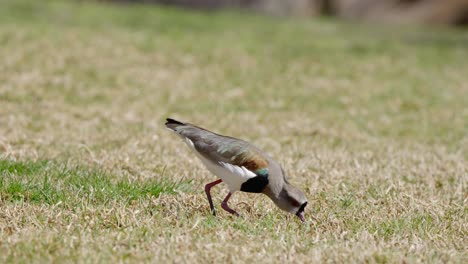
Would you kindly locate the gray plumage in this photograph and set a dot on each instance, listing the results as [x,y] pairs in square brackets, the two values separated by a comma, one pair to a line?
[242,166]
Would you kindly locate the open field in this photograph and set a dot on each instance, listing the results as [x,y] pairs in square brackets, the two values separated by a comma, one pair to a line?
[371,121]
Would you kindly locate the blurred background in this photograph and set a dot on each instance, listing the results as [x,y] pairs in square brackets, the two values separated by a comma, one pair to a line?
[446,12]
[368,116]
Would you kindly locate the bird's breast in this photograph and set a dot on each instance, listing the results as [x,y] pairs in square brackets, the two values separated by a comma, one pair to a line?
[232,175]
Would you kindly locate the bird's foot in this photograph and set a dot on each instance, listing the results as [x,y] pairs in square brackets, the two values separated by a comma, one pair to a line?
[228,209]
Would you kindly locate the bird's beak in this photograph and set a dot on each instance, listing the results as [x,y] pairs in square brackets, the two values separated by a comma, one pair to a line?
[301,216]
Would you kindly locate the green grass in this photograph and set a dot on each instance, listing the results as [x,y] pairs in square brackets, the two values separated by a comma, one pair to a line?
[51,183]
[370,121]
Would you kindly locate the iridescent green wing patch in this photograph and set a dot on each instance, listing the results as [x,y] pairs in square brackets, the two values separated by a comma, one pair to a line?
[262,172]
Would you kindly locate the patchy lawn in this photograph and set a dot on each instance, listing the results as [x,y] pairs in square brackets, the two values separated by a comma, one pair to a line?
[371,121]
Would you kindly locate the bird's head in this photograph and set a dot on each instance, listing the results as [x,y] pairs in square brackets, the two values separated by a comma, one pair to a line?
[292,200]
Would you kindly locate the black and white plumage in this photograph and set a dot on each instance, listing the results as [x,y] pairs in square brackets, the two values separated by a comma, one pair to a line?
[242,166]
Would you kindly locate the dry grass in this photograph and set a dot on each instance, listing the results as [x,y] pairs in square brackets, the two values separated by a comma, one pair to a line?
[371,123]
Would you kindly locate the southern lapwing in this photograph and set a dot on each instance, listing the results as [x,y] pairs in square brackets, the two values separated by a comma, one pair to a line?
[242,166]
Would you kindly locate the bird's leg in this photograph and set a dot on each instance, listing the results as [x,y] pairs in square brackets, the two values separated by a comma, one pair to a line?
[208,194]
[226,207]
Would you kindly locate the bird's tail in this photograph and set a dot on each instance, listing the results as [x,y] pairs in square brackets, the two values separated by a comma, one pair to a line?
[172,124]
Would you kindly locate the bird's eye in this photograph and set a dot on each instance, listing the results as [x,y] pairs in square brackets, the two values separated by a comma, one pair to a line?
[294,202]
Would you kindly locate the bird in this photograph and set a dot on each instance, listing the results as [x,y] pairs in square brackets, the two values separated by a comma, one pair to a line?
[241,166]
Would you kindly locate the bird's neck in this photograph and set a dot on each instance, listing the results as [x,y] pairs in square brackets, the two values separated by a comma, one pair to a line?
[273,192]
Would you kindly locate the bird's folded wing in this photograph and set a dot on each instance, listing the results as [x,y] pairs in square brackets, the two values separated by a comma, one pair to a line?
[235,155]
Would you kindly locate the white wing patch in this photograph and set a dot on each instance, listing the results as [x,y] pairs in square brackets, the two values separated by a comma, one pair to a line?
[190,143]
[242,172]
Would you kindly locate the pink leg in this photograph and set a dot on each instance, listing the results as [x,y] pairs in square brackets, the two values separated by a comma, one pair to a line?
[226,207]
[207,191]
